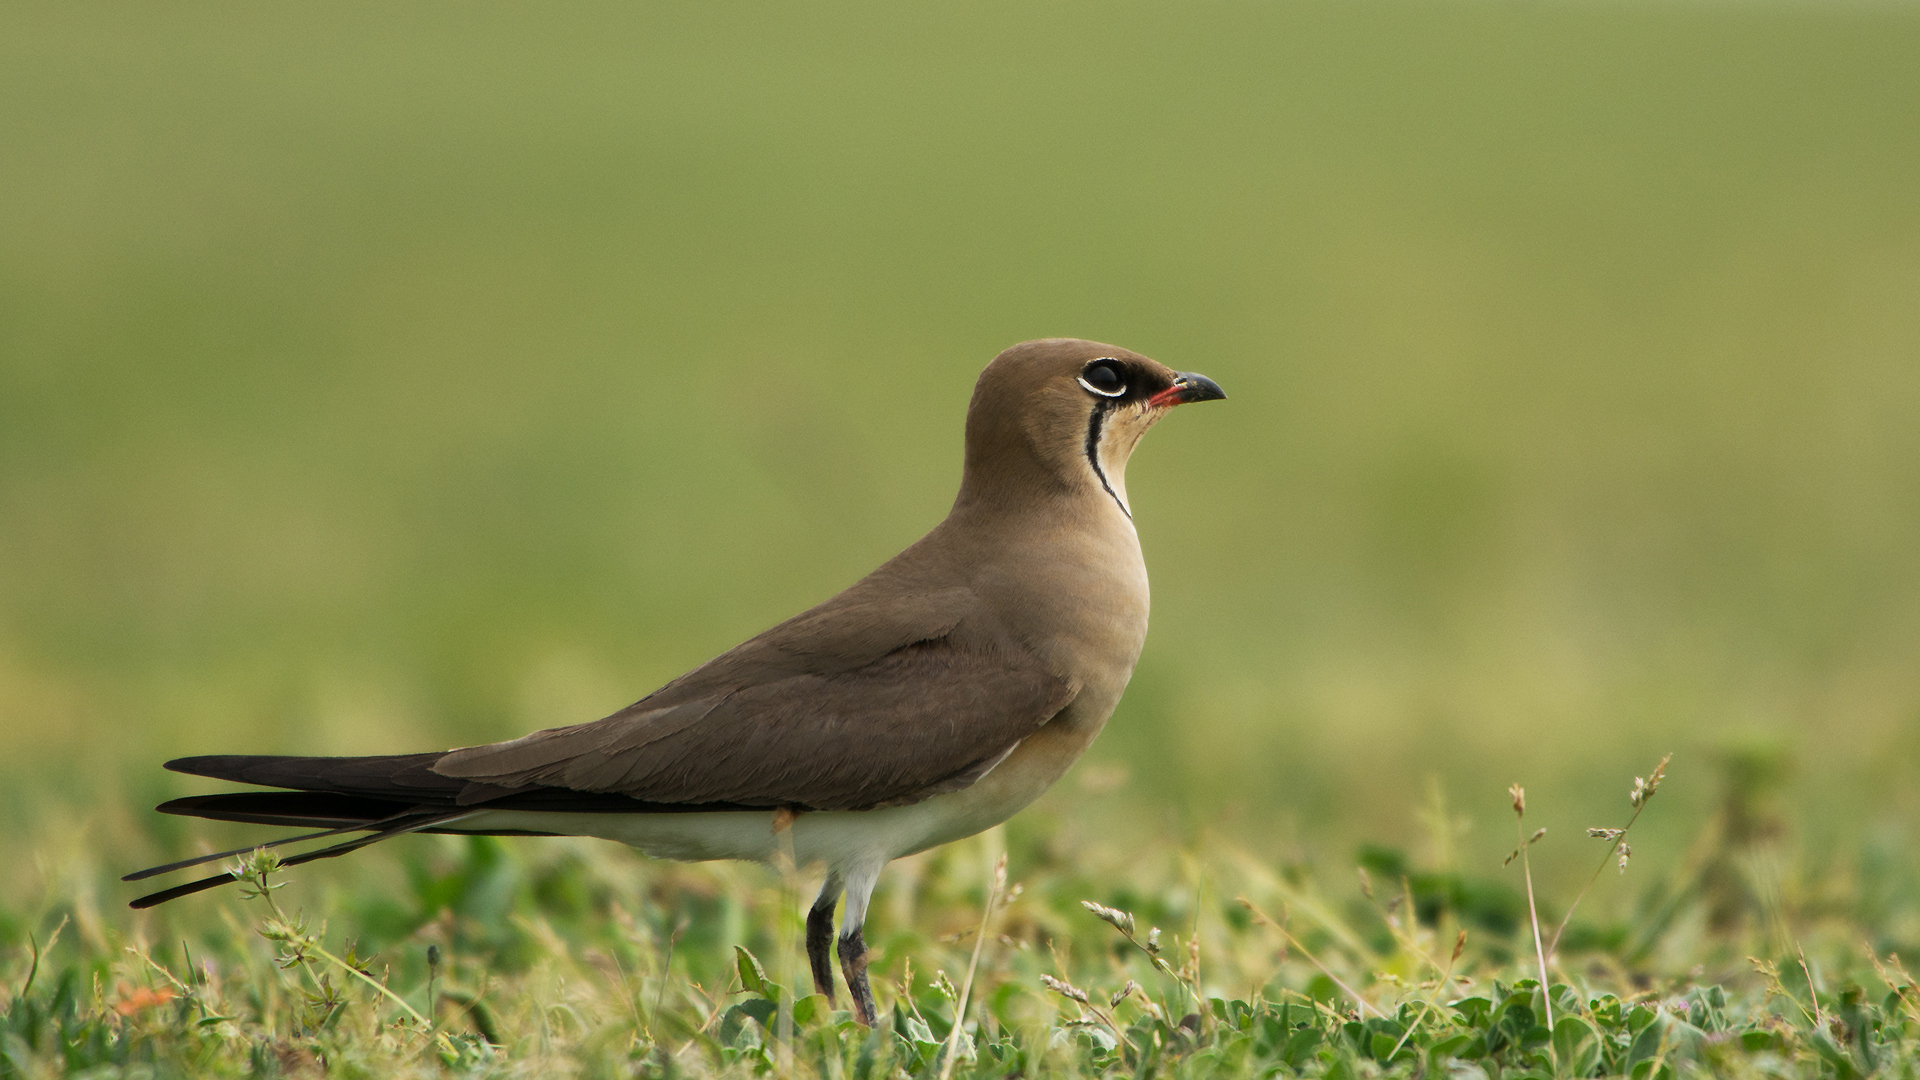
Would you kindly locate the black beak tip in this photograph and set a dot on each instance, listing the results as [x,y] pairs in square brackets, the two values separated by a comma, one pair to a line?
[1199,388]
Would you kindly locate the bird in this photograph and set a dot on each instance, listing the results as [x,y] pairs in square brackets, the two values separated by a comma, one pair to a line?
[929,701]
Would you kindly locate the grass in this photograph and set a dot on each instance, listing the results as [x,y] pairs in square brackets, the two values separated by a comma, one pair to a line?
[518,958]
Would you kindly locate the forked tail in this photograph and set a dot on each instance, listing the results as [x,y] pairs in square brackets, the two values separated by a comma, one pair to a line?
[381,797]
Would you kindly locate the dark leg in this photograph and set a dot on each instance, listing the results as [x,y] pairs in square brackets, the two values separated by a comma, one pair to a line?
[853,964]
[859,881]
[820,937]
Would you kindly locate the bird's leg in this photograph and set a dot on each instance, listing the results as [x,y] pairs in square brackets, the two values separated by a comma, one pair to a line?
[853,964]
[820,937]
[853,948]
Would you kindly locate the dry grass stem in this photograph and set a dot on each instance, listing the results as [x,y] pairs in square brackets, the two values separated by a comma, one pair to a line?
[995,887]
[1533,912]
[1643,790]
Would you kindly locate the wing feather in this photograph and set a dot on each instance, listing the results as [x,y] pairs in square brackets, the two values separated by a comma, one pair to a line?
[920,719]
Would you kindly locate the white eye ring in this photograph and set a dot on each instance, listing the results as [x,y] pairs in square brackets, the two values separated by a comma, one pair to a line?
[1118,391]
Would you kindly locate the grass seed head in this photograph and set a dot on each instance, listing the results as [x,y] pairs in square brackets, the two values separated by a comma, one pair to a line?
[1064,989]
[1119,920]
[1531,840]
[1644,787]
[1519,798]
[1605,834]
[1626,852]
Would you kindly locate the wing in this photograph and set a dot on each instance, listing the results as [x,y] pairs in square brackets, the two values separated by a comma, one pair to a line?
[818,714]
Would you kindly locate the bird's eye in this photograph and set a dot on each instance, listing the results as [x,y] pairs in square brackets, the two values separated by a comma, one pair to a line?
[1102,377]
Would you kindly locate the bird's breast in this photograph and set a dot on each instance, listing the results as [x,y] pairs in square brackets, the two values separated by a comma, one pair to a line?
[1079,601]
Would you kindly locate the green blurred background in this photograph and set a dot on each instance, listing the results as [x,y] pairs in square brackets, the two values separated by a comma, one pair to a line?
[383,378]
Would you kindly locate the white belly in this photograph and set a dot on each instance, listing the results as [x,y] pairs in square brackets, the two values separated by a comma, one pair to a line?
[836,839]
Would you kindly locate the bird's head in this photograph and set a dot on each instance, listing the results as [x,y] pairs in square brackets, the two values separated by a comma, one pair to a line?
[1062,413]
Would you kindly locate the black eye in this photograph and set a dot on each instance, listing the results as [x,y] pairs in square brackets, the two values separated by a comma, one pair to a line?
[1103,378]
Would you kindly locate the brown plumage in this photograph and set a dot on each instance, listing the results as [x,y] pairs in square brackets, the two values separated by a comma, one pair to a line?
[933,698]
[866,701]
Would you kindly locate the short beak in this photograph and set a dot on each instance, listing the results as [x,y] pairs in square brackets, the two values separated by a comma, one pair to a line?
[1187,387]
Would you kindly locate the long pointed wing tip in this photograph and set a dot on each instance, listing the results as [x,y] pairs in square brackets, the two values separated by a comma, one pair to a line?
[153,899]
[191,887]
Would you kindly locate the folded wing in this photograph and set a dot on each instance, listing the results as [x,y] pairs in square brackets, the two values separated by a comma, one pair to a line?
[928,717]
